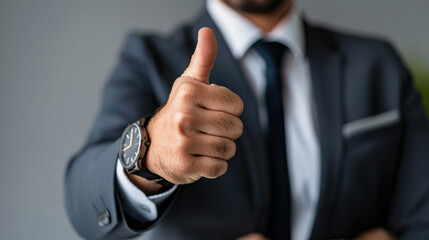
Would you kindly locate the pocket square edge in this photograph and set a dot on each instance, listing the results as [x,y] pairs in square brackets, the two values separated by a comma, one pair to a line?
[370,123]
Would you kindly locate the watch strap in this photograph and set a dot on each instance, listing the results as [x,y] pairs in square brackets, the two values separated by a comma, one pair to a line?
[142,170]
[152,177]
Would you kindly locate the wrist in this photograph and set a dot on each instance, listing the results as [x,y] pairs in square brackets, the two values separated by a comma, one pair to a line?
[152,158]
[135,144]
[148,187]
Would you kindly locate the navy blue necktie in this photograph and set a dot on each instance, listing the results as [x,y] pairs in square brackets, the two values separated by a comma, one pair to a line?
[272,53]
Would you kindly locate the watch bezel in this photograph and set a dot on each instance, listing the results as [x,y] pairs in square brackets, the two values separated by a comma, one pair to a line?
[134,163]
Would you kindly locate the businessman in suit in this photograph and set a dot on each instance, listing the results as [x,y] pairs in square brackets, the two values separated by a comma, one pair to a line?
[276,129]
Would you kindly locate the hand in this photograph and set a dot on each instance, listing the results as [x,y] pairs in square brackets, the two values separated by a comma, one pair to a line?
[253,236]
[193,135]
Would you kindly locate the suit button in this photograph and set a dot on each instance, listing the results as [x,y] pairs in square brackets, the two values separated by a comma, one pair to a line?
[104,218]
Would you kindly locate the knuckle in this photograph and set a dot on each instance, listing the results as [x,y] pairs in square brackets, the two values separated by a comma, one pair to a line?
[239,106]
[224,124]
[187,90]
[225,149]
[229,123]
[176,84]
[182,121]
[233,127]
[181,144]
[217,169]
[220,93]
[221,149]
[231,150]
[239,127]
[224,95]
[212,172]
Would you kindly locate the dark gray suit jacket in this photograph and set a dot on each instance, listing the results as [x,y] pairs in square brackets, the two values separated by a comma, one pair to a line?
[373,132]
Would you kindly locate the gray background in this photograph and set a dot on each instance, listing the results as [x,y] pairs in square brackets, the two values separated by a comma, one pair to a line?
[56,55]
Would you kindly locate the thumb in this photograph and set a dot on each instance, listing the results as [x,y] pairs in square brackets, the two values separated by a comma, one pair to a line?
[204,56]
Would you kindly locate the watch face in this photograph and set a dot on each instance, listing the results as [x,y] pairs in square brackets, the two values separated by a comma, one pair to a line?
[130,146]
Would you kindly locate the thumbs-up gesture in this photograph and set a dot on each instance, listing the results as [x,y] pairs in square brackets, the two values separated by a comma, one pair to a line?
[193,135]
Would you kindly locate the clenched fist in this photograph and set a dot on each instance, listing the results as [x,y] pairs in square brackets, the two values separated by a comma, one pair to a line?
[193,135]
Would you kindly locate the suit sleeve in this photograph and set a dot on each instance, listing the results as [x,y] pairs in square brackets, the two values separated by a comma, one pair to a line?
[136,202]
[93,203]
[409,214]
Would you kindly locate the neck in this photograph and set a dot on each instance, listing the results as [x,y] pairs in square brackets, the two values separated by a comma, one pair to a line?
[268,21]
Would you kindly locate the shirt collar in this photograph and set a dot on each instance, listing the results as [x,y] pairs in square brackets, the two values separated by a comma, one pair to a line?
[240,34]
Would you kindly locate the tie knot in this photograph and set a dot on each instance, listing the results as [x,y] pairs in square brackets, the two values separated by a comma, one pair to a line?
[272,52]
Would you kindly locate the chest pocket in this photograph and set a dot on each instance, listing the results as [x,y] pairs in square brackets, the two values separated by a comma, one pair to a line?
[375,136]
[372,150]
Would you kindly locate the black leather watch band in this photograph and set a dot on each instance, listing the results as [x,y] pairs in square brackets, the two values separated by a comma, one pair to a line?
[143,171]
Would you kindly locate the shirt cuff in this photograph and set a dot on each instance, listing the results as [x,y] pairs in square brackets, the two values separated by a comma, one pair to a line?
[142,206]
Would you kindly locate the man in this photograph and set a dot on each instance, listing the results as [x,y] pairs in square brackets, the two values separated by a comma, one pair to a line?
[276,129]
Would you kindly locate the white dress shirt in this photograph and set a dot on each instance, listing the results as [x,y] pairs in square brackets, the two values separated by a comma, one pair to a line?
[300,124]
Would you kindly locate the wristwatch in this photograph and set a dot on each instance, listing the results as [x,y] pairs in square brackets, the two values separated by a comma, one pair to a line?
[134,146]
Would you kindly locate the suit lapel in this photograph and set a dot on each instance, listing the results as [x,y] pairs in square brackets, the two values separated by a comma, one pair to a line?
[227,72]
[326,65]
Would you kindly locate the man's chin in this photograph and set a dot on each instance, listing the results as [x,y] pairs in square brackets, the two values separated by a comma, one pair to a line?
[255,6]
